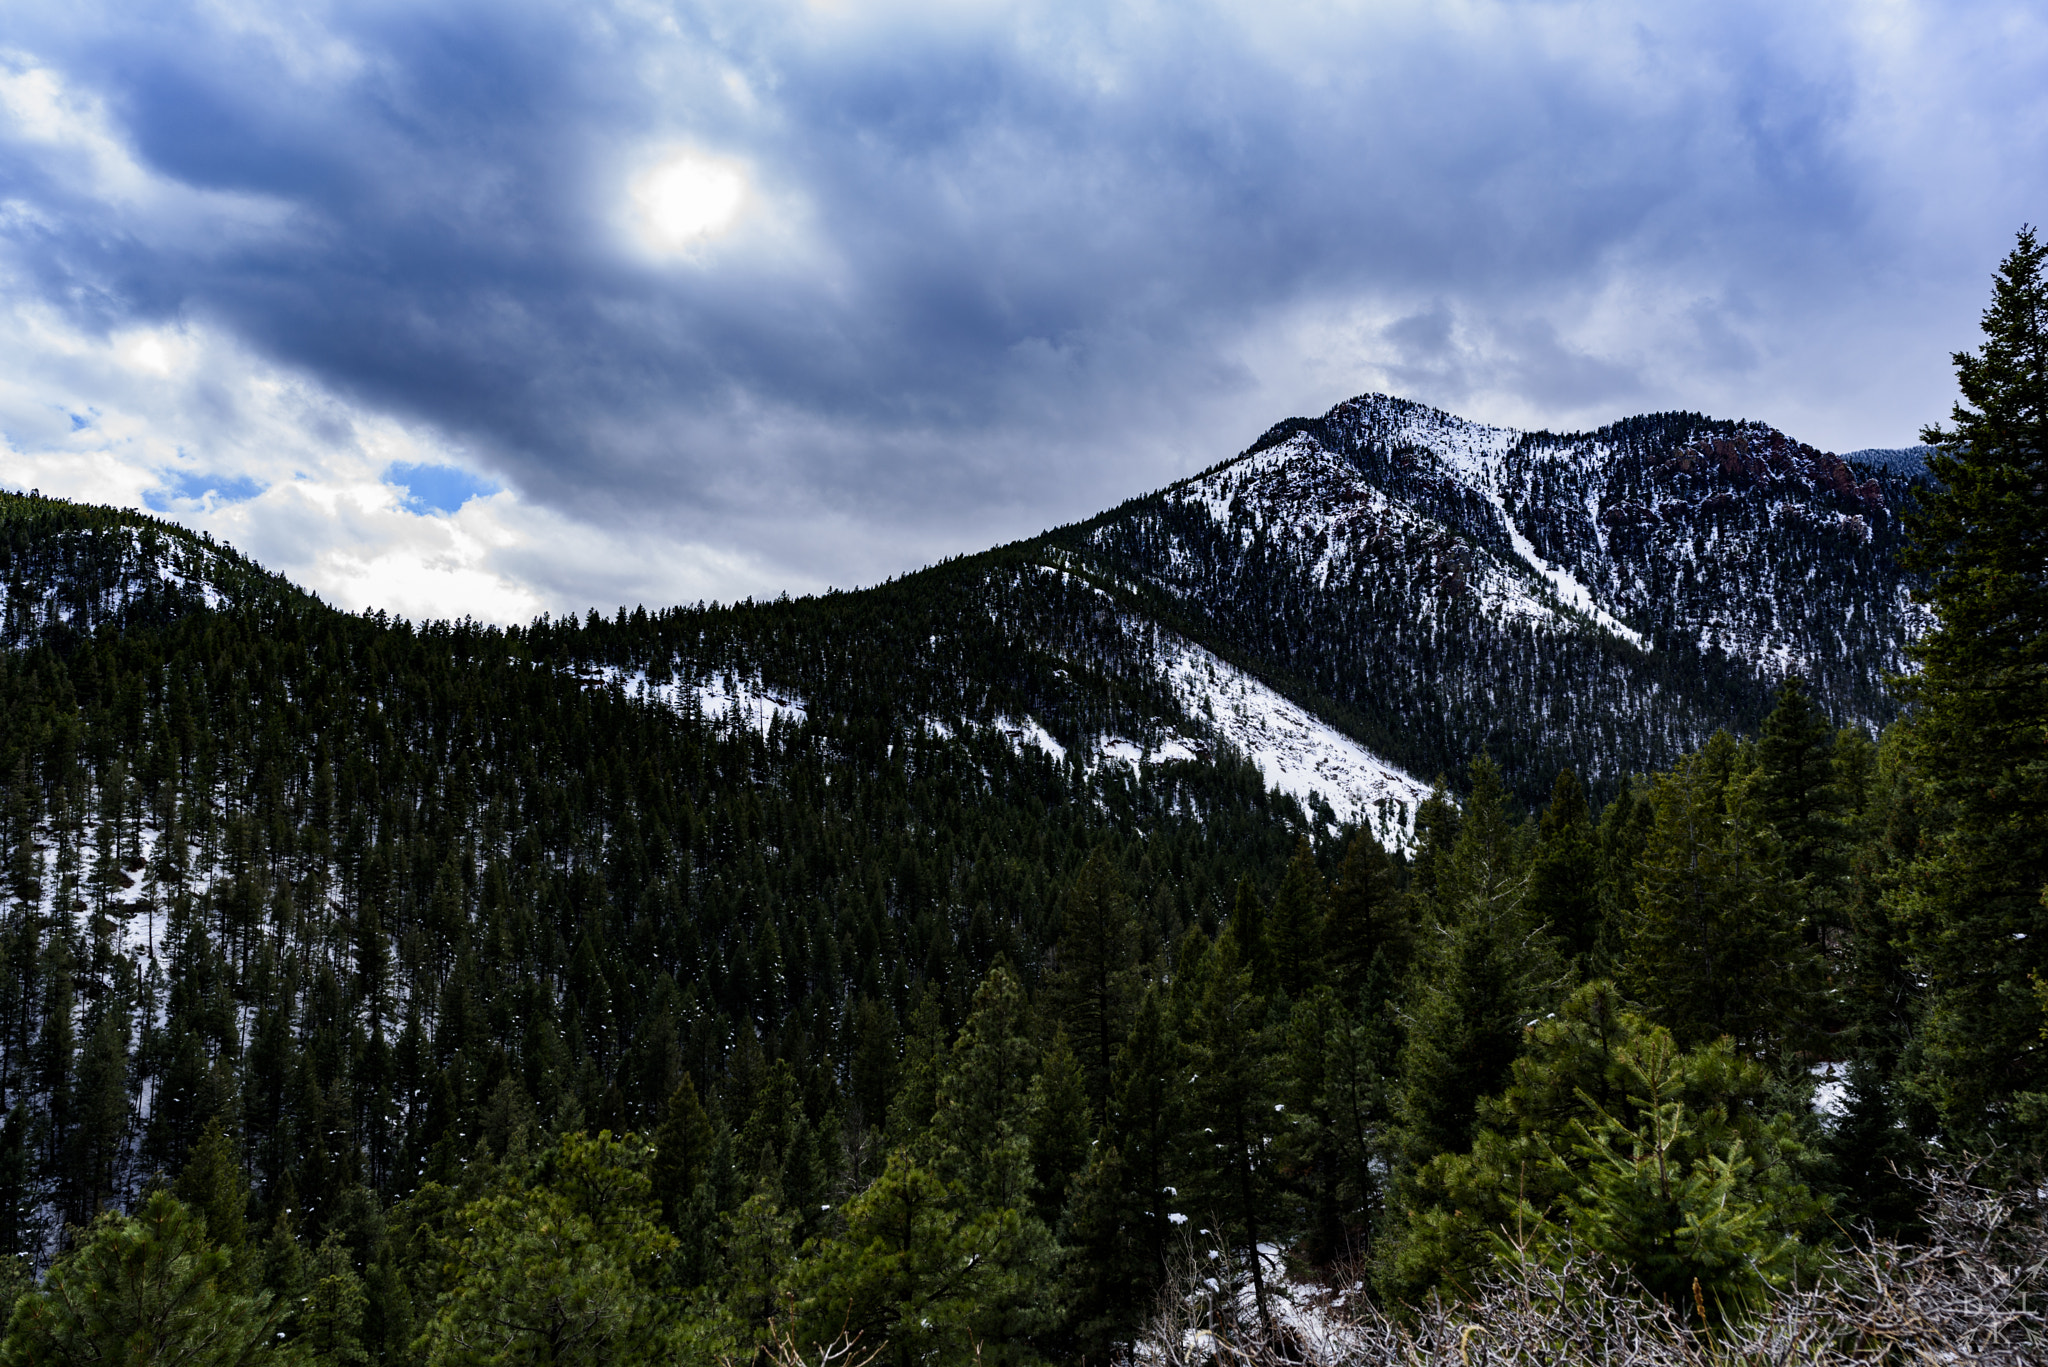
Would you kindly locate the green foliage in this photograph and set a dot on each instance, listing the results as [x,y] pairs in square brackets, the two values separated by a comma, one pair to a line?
[1294,927]
[329,1318]
[1563,896]
[1366,918]
[1059,1124]
[1715,945]
[916,1270]
[1229,1051]
[212,1186]
[1095,963]
[978,1136]
[1611,1137]
[929,1031]
[145,1289]
[1970,898]
[1480,973]
[561,1269]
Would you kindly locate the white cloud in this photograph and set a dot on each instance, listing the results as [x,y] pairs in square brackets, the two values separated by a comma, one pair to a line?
[183,420]
[78,147]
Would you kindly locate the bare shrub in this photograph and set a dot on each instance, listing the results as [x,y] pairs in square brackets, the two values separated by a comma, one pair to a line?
[1971,1293]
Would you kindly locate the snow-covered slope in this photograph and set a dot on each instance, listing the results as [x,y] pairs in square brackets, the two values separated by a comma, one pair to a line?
[1299,754]
[78,569]
[1602,599]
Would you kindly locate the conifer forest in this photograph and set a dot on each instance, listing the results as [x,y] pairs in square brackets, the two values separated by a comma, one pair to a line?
[931,974]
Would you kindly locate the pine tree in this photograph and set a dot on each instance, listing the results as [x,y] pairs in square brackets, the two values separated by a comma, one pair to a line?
[102,1111]
[1436,831]
[1295,924]
[1367,918]
[1230,1053]
[562,1271]
[330,1319]
[1117,1226]
[1254,944]
[1795,792]
[978,1126]
[1477,980]
[145,1289]
[212,1186]
[1973,899]
[1058,1126]
[1715,948]
[683,1146]
[1564,877]
[1095,961]
[21,1231]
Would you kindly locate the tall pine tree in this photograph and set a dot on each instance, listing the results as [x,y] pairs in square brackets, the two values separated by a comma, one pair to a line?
[1974,898]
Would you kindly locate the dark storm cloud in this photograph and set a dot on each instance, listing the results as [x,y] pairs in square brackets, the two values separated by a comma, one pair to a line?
[1004,264]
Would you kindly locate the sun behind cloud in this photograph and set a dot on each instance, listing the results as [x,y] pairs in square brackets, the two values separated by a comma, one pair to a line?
[686,198]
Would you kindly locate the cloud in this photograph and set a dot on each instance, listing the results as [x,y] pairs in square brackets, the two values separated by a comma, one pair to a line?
[773,294]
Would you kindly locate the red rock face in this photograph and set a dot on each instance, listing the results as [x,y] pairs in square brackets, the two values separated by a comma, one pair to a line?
[1760,457]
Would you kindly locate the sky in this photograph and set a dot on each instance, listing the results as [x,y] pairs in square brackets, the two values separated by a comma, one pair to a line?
[491,308]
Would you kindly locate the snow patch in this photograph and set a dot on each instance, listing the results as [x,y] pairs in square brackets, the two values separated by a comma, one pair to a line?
[720,697]
[1569,590]
[1029,732]
[1297,752]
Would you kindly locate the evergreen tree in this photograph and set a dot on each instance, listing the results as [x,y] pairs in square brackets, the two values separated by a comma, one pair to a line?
[562,1271]
[1436,832]
[1794,792]
[1058,1126]
[1716,947]
[978,1131]
[1624,834]
[683,1148]
[1231,1067]
[1366,918]
[102,1113]
[1095,961]
[1972,899]
[212,1187]
[329,1321]
[925,1274]
[1676,1164]
[145,1289]
[1254,943]
[1564,876]
[21,1231]
[1294,927]
[1477,980]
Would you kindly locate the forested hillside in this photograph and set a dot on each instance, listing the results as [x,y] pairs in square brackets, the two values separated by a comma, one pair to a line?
[930,971]
[1602,601]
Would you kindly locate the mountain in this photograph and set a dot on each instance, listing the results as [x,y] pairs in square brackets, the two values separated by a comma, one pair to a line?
[1355,603]
[386,902]
[1602,600]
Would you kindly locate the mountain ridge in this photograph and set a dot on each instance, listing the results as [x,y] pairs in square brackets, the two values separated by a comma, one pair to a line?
[1422,585]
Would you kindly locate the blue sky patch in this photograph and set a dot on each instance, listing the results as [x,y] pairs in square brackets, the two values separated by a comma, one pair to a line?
[436,488]
[196,485]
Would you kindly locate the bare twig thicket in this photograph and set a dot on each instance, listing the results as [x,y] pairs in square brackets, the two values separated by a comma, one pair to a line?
[1973,1292]
[783,1350]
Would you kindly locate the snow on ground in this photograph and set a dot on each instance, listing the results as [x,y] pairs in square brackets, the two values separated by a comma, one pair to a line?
[1831,1090]
[1569,590]
[1222,1313]
[1029,732]
[721,696]
[751,700]
[1317,499]
[1299,753]
[1476,455]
